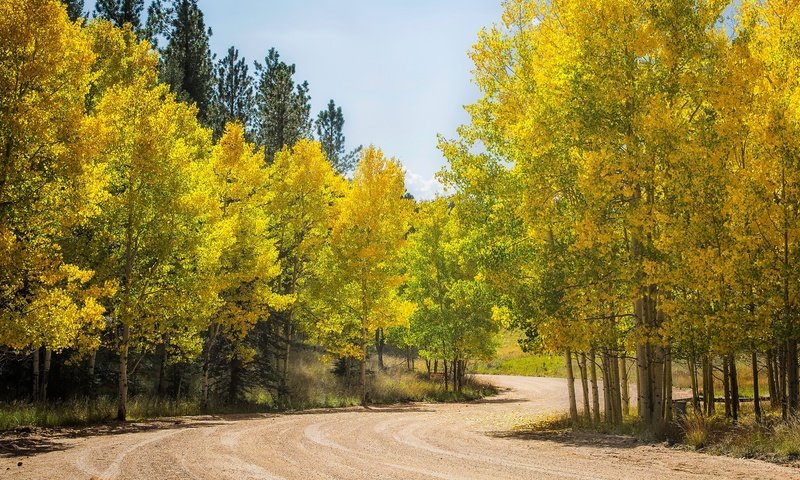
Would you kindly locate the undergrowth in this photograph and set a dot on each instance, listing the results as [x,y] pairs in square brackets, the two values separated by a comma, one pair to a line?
[311,385]
[561,423]
[772,439]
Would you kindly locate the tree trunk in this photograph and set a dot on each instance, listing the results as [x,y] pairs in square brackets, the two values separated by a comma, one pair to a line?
[639,386]
[708,385]
[573,408]
[726,385]
[668,413]
[614,389]
[587,414]
[650,360]
[362,368]
[446,377]
[288,332]
[46,373]
[379,344]
[35,390]
[608,410]
[756,397]
[772,383]
[162,365]
[362,380]
[657,361]
[92,364]
[456,377]
[595,392]
[122,393]
[782,381]
[624,387]
[735,387]
[235,384]
[692,365]
[793,386]
[209,345]
[617,389]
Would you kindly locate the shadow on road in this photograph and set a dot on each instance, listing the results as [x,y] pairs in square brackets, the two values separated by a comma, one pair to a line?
[26,442]
[499,400]
[570,438]
[397,408]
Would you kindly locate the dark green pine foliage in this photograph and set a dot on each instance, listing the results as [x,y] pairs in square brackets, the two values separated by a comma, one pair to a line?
[330,125]
[74,8]
[232,98]
[283,109]
[187,63]
[121,12]
[159,19]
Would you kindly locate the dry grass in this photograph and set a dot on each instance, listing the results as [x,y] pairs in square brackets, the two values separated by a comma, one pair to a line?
[772,439]
[561,423]
[312,384]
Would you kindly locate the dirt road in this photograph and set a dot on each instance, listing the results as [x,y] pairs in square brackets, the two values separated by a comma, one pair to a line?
[452,441]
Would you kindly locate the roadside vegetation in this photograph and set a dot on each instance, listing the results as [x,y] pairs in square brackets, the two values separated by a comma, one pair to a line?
[772,439]
[313,383]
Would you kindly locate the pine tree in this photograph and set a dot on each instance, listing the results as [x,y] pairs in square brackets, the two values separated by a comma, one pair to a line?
[187,62]
[330,123]
[158,22]
[120,12]
[232,97]
[74,8]
[283,108]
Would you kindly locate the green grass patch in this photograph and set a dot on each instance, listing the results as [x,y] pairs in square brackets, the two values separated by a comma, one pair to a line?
[511,360]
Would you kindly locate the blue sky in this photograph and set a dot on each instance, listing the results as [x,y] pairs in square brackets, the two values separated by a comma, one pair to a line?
[399,69]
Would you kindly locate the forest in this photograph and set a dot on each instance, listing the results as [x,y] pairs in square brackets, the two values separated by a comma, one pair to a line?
[172,225]
[626,195]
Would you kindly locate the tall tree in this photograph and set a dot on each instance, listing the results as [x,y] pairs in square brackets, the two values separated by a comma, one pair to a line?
[187,62]
[360,266]
[330,126]
[304,192]
[283,109]
[453,318]
[74,9]
[232,97]
[50,179]
[158,22]
[248,259]
[121,12]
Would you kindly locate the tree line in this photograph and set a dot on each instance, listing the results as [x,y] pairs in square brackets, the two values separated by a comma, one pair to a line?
[631,174]
[173,225]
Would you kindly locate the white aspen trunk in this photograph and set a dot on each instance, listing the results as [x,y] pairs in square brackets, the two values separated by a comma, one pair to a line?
[573,407]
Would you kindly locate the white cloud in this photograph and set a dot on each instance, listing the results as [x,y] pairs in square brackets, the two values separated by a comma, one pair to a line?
[423,188]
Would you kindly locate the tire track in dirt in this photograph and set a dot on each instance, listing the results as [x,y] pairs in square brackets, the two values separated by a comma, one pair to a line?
[420,441]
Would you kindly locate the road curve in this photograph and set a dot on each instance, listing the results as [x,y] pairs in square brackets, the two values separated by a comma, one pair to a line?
[419,441]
